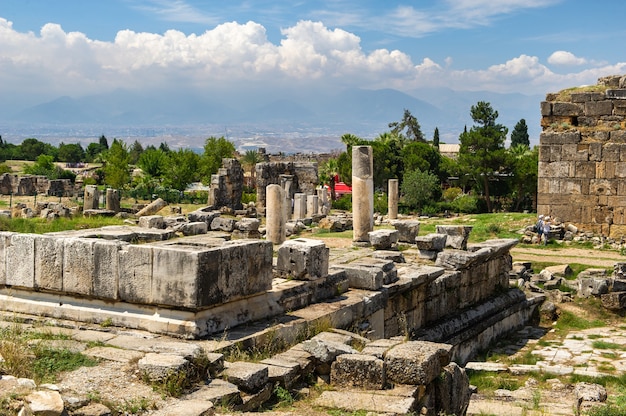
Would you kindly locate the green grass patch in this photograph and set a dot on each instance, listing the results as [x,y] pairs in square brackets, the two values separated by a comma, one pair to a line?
[487,381]
[603,345]
[50,362]
[41,225]
[484,226]
[569,321]
[322,232]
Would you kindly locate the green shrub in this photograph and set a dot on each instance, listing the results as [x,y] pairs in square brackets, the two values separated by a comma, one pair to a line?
[248,197]
[467,204]
[343,203]
[451,194]
[380,202]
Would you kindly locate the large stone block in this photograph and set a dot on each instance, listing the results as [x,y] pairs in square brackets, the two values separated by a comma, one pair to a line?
[584,170]
[106,268]
[599,108]
[452,391]
[550,137]
[78,265]
[383,239]
[5,241]
[249,377]
[135,273]
[416,362]
[20,260]
[49,263]
[457,235]
[358,370]
[566,109]
[303,259]
[408,229]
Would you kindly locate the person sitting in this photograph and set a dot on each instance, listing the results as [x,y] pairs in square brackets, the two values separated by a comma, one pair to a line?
[539,228]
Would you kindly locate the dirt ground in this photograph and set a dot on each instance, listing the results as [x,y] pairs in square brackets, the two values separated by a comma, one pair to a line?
[589,257]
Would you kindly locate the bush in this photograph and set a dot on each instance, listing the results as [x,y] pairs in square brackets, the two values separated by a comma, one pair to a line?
[419,188]
[381,202]
[467,204]
[343,203]
[451,194]
[247,197]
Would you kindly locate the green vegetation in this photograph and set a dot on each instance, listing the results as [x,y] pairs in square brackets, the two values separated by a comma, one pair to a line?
[568,321]
[41,225]
[603,345]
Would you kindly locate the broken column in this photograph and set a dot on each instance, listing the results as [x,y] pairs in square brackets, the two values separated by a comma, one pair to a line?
[392,199]
[275,214]
[112,200]
[311,205]
[362,192]
[91,197]
[299,206]
[286,182]
[322,200]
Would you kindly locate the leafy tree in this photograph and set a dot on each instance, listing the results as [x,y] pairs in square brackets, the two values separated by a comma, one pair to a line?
[215,149]
[116,173]
[350,140]
[418,188]
[164,147]
[152,162]
[44,165]
[519,135]
[525,166]
[410,125]
[249,161]
[422,156]
[32,148]
[103,142]
[71,153]
[181,169]
[386,149]
[482,154]
[328,173]
[135,152]
[436,138]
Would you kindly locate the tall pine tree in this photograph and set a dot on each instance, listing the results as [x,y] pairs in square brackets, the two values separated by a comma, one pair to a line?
[519,135]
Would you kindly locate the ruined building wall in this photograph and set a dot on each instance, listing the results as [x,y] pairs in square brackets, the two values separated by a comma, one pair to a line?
[227,185]
[305,177]
[581,157]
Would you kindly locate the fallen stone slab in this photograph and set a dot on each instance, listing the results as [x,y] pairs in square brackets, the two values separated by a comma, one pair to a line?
[358,370]
[457,235]
[151,221]
[303,259]
[187,408]
[395,256]
[249,377]
[614,300]
[378,348]
[407,230]
[380,401]
[45,402]
[431,242]
[193,228]
[153,207]
[218,391]
[114,354]
[158,367]
[416,362]
[326,351]
[253,401]
[383,239]
[283,372]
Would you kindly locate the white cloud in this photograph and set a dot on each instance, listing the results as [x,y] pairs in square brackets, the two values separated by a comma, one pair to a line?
[55,62]
[565,58]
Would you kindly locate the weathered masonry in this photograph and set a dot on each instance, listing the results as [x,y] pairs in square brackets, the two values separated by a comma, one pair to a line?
[582,157]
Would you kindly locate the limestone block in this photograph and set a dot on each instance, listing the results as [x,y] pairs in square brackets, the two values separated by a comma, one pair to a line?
[223,224]
[566,109]
[326,351]
[383,239]
[620,170]
[598,108]
[303,259]
[584,170]
[44,402]
[78,265]
[299,206]
[611,152]
[378,348]
[5,241]
[49,263]
[283,372]
[452,391]
[204,216]
[158,367]
[91,197]
[217,391]
[245,269]
[358,370]
[595,152]
[431,242]
[152,208]
[546,108]
[603,187]
[574,152]
[106,268]
[457,235]
[151,221]
[550,137]
[135,273]
[370,274]
[407,229]
[249,377]
[393,255]
[592,287]
[385,403]
[194,228]
[20,261]
[416,362]
[248,224]
[571,186]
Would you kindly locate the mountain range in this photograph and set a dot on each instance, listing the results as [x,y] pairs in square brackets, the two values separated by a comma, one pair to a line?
[288,120]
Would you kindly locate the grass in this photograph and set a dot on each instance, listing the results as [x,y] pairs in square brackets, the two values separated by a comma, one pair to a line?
[603,345]
[487,381]
[41,225]
[570,321]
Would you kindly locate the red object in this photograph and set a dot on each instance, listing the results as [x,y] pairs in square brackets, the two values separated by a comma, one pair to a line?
[342,189]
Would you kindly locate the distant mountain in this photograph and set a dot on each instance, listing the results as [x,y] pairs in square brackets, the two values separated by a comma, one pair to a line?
[272,112]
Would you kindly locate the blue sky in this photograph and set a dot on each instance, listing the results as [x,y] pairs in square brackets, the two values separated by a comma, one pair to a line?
[78,47]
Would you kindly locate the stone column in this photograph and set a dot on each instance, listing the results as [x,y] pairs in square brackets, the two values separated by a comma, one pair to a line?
[392,199]
[322,195]
[286,182]
[362,192]
[112,200]
[299,206]
[275,214]
[91,197]
[311,205]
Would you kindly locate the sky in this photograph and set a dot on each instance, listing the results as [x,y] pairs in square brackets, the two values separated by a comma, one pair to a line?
[77,47]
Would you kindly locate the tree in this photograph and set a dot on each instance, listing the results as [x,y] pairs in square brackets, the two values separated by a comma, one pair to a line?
[71,153]
[103,143]
[32,148]
[152,162]
[328,173]
[418,188]
[115,169]
[44,165]
[135,152]
[350,140]
[410,124]
[181,169]
[215,149]
[249,161]
[436,138]
[524,167]
[519,135]
[422,156]
[482,154]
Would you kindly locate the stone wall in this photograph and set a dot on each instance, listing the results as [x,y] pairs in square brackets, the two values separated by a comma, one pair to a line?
[304,179]
[227,186]
[581,157]
[34,184]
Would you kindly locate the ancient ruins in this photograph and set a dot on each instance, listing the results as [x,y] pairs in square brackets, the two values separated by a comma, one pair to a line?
[581,157]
